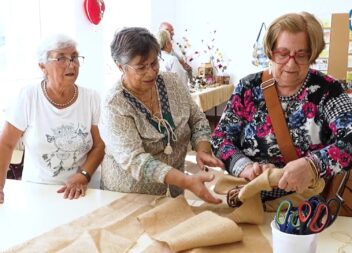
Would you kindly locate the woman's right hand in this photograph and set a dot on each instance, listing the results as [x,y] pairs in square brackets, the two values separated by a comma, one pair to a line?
[253,170]
[196,184]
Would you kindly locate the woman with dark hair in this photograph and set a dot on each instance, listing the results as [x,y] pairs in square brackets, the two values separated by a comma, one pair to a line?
[147,122]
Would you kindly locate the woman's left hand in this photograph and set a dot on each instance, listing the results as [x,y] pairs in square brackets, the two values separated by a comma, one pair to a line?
[208,158]
[75,187]
[297,176]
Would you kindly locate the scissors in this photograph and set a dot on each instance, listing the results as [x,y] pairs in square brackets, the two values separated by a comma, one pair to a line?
[287,221]
[313,217]
[316,214]
[334,205]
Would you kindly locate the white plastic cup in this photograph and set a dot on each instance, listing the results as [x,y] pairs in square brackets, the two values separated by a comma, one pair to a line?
[290,243]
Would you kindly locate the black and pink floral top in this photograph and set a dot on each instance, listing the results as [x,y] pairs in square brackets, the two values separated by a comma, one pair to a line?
[319,118]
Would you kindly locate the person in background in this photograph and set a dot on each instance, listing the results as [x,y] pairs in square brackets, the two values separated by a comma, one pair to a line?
[57,120]
[147,123]
[169,62]
[168,27]
[317,110]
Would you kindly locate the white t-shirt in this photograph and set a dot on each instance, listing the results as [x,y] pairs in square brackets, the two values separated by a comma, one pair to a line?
[169,63]
[56,140]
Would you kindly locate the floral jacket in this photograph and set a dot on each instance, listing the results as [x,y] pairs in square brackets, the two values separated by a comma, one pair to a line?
[319,118]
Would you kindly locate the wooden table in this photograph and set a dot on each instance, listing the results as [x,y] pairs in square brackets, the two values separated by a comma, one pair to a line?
[32,209]
[209,98]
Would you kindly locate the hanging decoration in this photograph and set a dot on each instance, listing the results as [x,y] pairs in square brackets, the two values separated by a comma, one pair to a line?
[94,10]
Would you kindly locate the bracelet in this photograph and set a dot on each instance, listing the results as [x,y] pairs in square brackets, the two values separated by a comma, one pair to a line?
[316,162]
[239,166]
[313,167]
[85,173]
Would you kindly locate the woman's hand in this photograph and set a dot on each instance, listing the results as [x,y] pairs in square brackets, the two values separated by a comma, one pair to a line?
[208,159]
[75,187]
[195,183]
[298,176]
[253,170]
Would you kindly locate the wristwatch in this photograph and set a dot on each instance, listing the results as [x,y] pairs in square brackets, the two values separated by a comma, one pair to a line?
[85,173]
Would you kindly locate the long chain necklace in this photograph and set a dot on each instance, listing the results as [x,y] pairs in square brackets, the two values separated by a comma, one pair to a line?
[148,103]
[44,83]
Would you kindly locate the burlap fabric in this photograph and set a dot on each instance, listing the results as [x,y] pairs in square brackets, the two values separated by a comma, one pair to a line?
[173,224]
[250,192]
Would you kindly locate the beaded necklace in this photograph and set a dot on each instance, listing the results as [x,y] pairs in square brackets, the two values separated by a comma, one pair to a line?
[294,96]
[44,83]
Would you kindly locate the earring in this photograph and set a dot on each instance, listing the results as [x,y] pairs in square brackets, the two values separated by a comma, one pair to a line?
[270,67]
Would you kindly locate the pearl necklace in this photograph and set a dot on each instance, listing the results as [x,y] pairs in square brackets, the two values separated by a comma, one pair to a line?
[44,83]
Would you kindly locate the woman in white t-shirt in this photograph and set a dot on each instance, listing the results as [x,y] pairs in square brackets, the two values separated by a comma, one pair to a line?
[57,121]
[168,62]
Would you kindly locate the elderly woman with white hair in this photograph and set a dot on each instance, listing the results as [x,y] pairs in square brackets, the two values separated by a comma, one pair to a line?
[57,120]
[169,62]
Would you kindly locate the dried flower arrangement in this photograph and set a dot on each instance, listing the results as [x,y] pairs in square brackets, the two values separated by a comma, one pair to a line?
[217,58]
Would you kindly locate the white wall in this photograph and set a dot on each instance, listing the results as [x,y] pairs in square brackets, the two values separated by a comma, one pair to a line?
[237,24]
[121,14]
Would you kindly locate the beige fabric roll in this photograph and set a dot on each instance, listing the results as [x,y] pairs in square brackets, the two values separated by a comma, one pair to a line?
[108,243]
[166,215]
[115,228]
[250,192]
[176,224]
[264,182]
[227,182]
[204,229]
[253,241]
[251,212]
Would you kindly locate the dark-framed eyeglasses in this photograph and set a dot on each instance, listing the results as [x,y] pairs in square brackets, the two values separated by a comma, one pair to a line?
[65,61]
[143,68]
[282,56]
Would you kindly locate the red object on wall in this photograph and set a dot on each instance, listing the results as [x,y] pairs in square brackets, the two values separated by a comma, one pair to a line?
[94,10]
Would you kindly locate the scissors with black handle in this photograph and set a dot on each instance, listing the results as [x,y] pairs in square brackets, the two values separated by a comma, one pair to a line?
[313,218]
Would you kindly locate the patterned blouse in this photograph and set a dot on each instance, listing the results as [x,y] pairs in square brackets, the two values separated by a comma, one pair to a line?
[135,160]
[319,118]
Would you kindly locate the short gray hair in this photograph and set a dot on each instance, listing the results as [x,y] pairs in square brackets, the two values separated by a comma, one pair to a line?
[53,42]
[163,36]
[131,42]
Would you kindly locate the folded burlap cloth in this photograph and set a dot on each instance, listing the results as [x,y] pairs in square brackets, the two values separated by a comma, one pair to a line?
[246,195]
[175,223]
[176,226]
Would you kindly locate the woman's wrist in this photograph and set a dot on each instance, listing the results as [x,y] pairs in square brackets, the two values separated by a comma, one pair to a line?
[85,173]
[204,146]
[177,178]
[240,165]
[313,169]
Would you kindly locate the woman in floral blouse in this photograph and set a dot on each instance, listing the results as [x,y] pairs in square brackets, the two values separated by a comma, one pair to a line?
[147,122]
[317,110]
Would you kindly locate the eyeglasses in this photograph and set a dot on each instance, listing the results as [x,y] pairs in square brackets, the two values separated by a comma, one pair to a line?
[143,69]
[65,61]
[283,56]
